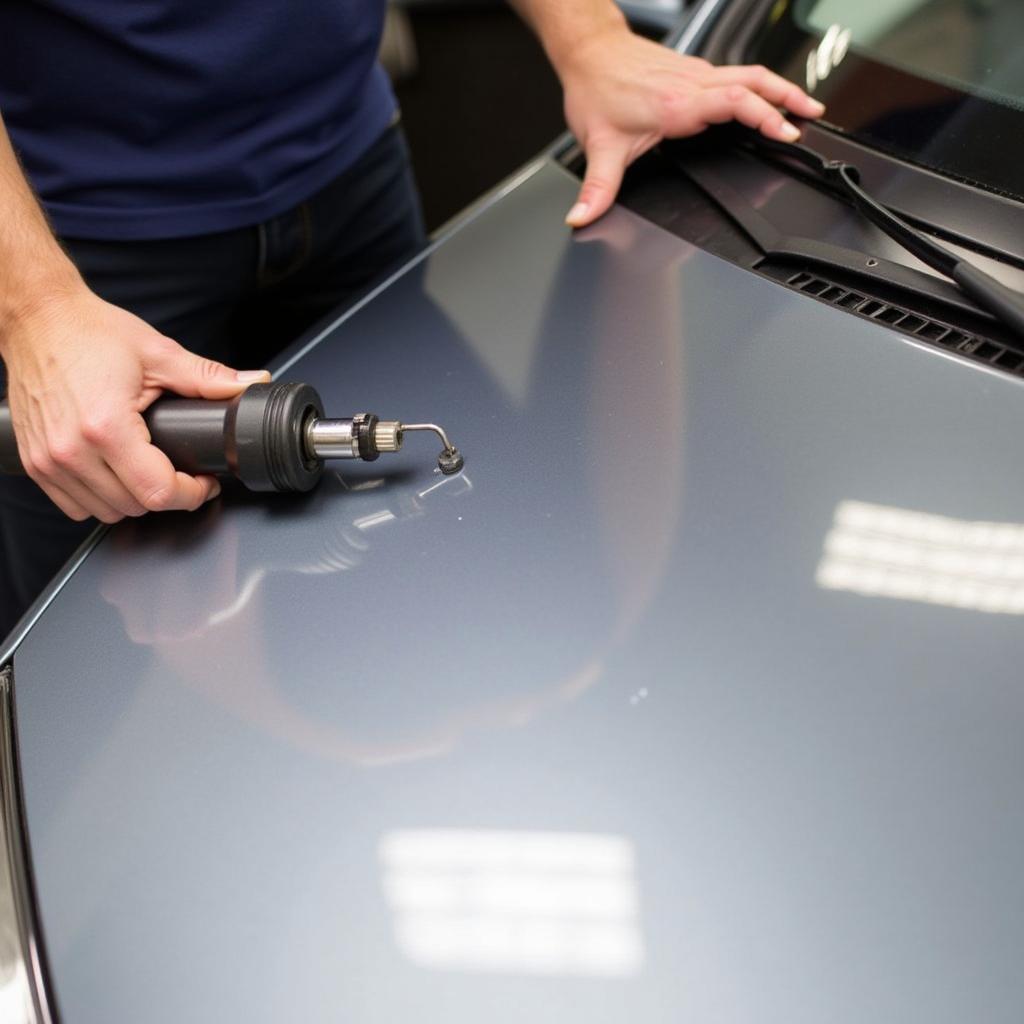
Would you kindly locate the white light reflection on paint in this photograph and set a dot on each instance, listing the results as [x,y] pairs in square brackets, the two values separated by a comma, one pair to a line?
[514,902]
[881,551]
[827,56]
[374,519]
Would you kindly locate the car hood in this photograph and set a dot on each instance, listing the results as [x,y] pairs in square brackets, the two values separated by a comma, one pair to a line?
[695,696]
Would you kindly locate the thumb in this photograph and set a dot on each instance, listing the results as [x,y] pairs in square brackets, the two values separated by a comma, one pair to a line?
[606,163]
[183,372]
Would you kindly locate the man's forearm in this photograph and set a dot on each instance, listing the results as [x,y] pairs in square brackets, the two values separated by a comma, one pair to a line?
[32,263]
[564,25]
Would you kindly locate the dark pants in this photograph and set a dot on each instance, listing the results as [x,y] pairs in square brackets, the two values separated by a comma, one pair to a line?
[237,296]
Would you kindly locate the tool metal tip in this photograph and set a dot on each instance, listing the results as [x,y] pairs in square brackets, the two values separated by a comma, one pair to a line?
[450,461]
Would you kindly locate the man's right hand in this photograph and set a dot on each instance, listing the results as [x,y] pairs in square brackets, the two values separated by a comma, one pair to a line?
[80,372]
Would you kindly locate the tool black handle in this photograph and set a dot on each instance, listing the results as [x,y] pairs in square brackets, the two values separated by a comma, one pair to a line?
[193,433]
[258,436]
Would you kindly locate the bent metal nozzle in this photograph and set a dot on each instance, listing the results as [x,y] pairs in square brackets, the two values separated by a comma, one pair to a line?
[450,460]
[365,436]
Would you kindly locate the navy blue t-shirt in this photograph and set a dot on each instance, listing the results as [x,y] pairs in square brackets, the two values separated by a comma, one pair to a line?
[141,119]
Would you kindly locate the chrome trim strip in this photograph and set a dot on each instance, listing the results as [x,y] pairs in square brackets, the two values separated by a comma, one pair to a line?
[693,31]
[23,989]
[9,645]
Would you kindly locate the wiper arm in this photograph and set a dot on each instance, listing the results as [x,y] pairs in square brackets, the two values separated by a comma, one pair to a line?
[993,295]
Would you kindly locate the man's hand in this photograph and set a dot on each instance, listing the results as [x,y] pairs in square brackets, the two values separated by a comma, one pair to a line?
[80,372]
[624,94]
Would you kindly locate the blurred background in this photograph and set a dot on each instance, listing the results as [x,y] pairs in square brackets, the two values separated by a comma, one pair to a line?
[478,97]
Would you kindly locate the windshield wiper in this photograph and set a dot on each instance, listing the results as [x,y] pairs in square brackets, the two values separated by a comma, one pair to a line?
[1003,302]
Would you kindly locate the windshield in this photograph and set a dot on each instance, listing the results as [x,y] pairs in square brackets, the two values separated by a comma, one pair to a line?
[940,82]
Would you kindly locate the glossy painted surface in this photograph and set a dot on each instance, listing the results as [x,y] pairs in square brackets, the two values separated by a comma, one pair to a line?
[619,724]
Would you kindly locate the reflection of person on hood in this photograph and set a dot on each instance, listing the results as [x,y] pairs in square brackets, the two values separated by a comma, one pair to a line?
[498,636]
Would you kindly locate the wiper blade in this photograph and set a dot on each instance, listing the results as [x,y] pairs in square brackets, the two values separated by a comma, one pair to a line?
[1003,302]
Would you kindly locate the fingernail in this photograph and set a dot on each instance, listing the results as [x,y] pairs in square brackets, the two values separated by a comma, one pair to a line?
[577,213]
[790,132]
[214,491]
[818,107]
[247,376]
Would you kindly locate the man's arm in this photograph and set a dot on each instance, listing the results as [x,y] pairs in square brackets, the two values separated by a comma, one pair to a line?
[624,94]
[81,371]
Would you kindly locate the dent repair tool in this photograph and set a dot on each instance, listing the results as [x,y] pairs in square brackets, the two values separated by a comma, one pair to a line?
[272,437]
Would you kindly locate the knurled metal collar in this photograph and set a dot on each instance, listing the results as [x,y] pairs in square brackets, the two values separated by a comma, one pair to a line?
[387,435]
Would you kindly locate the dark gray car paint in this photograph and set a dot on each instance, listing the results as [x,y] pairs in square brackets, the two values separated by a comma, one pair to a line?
[608,624]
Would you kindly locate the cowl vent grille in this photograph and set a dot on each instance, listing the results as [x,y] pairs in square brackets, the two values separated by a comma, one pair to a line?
[982,350]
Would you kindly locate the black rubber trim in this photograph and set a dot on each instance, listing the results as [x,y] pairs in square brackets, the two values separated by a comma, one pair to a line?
[30,938]
[774,244]
[365,422]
